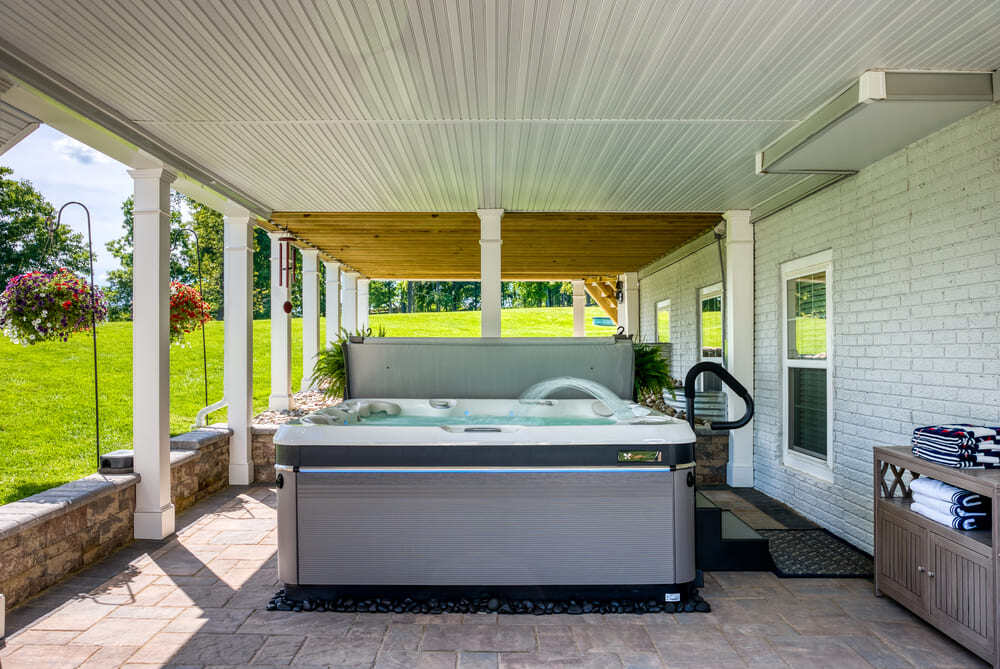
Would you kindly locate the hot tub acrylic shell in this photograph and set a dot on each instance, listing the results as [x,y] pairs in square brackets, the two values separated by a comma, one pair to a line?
[567,506]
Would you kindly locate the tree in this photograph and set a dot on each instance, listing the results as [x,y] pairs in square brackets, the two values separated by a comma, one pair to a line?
[207,224]
[119,291]
[25,245]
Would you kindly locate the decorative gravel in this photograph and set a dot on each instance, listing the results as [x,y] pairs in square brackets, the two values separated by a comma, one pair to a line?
[496,604]
[305,403]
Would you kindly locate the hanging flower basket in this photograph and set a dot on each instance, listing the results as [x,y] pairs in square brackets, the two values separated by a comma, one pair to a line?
[40,306]
[187,310]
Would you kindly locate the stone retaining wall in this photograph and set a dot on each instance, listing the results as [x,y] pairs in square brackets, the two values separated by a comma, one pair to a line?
[711,454]
[263,453]
[46,537]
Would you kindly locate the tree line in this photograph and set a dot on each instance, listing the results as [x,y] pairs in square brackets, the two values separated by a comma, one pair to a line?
[25,245]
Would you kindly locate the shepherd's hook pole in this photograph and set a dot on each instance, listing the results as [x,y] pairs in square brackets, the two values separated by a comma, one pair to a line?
[93,316]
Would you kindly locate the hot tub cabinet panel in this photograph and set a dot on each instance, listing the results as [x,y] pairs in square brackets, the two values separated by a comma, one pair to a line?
[478,527]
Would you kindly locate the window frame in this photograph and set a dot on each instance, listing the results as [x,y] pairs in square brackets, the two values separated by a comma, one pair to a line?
[656,321]
[803,462]
[707,293]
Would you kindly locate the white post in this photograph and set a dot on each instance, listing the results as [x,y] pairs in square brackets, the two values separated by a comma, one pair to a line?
[363,304]
[628,313]
[238,339]
[154,512]
[310,314]
[490,289]
[349,303]
[281,331]
[579,306]
[332,301]
[739,315]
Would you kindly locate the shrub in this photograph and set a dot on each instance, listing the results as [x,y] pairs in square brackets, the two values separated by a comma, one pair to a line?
[652,372]
[40,306]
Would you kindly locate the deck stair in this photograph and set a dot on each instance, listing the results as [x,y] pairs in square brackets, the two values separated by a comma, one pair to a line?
[602,290]
[723,542]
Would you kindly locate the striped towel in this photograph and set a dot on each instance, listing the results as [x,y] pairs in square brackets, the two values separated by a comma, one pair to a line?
[957,438]
[988,459]
[957,522]
[943,506]
[929,487]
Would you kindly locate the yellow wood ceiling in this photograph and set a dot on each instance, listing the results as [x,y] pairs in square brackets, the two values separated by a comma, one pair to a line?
[445,245]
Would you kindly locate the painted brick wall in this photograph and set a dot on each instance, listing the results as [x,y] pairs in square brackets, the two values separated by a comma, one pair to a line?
[915,294]
[678,278]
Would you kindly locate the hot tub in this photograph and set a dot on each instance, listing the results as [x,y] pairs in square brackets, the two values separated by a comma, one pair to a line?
[565,495]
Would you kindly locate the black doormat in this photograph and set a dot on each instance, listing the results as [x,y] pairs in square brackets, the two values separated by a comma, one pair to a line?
[816,553]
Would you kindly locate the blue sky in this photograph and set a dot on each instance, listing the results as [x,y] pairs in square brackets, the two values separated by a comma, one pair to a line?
[62,169]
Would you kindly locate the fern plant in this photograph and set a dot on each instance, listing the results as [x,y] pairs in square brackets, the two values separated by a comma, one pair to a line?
[330,371]
[652,371]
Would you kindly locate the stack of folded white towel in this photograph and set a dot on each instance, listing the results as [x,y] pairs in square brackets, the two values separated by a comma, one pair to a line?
[962,446]
[948,505]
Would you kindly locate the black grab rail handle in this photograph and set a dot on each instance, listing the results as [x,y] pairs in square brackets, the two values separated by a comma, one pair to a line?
[729,380]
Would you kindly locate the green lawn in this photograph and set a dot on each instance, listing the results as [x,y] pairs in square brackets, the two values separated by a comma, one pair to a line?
[47,420]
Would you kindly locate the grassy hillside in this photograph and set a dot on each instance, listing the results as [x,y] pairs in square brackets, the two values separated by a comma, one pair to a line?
[47,419]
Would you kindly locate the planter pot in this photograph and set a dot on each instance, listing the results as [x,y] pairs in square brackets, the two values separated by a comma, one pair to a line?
[710,405]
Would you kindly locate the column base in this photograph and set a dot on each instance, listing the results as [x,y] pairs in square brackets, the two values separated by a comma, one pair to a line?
[739,476]
[280,402]
[241,473]
[154,525]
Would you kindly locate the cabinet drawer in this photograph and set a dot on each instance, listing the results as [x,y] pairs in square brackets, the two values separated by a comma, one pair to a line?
[960,593]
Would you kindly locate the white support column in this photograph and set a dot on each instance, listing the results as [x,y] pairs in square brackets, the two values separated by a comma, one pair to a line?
[154,512]
[490,289]
[363,304]
[349,303]
[579,306]
[281,332]
[628,313]
[238,339]
[310,314]
[332,301]
[739,315]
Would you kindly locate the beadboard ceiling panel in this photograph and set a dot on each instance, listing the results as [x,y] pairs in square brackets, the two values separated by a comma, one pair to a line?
[450,105]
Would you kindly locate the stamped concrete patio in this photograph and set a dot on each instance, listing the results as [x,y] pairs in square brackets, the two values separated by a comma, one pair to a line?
[197,600]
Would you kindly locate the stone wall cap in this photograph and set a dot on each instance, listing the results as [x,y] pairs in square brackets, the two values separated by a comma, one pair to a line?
[200,438]
[264,428]
[24,513]
[178,457]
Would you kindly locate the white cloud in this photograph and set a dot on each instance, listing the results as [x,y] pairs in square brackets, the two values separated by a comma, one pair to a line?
[58,167]
[70,149]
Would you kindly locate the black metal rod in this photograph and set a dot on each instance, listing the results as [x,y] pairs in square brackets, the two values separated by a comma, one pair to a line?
[201,292]
[93,321]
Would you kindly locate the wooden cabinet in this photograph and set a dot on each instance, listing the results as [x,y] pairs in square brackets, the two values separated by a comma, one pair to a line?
[945,576]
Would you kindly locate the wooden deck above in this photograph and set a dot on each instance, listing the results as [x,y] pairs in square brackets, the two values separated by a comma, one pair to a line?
[542,246]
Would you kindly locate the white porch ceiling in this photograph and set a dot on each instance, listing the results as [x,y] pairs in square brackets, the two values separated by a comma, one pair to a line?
[448,106]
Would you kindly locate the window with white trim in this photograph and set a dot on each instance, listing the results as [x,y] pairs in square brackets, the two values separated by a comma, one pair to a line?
[710,333]
[663,321]
[806,364]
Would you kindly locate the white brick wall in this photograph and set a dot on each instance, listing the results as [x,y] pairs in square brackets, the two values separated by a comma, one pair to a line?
[915,295]
[691,270]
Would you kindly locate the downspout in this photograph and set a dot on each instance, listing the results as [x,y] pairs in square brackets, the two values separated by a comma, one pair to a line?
[199,420]
[719,230]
